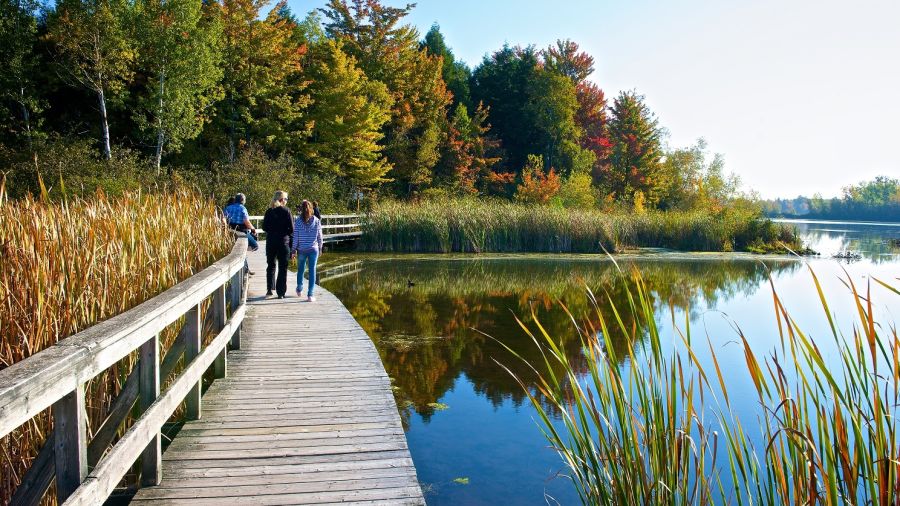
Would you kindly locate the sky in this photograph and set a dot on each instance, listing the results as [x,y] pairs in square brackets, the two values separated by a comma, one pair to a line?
[800,96]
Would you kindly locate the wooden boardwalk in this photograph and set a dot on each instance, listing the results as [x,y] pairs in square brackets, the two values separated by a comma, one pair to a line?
[305,416]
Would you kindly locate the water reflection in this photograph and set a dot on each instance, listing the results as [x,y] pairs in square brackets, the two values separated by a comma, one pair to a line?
[873,241]
[430,319]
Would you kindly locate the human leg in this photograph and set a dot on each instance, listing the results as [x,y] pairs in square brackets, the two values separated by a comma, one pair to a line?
[271,257]
[281,281]
[301,266]
[312,257]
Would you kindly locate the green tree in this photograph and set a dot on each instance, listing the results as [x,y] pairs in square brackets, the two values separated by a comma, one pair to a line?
[180,45]
[94,50]
[695,180]
[635,159]
[348,113]
[264,92]
[455,73]
[388,51]
[19,95]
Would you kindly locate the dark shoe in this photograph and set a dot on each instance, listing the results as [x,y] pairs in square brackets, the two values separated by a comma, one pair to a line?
[281,296]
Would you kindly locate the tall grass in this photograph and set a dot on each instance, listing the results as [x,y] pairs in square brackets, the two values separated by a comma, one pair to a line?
[497,226]
[67,265]
[664,429]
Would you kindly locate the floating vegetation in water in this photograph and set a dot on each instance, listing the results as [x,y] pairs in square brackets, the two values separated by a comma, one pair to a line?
[462,480]
[438,406]
[405,342]
[848,255]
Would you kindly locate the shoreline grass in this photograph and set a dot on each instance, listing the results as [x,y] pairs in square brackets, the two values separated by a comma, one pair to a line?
[665,431]
[473,226]
[72,263]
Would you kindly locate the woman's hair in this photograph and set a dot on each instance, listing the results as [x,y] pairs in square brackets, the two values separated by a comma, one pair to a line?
[277,198]
[306,210]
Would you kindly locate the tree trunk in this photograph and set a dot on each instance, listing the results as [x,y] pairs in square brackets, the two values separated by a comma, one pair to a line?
[104,125]
[160,135]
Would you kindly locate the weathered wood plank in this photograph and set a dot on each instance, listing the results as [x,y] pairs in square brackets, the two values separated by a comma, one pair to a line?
[148,365]
[305,416]
[70,442]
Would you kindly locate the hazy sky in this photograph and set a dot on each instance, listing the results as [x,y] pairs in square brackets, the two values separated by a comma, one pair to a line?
[800,96]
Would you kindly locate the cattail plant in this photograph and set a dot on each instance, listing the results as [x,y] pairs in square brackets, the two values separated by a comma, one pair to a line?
[68,264]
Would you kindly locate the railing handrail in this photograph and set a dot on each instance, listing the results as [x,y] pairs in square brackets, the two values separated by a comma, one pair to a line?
[324,216]
[56,376]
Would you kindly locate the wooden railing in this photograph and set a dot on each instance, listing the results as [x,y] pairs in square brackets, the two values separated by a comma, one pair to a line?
[56,378]
[335,227]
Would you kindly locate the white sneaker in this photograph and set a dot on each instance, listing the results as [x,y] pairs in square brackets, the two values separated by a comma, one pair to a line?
[310,299]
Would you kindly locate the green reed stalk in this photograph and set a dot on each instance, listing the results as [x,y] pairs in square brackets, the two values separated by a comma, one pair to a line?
[662,430]
[470,225]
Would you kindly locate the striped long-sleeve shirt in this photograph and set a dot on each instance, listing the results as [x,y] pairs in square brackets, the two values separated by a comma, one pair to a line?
[307,235]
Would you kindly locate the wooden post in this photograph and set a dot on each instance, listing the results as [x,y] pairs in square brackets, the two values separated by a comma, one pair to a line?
[236,282]
[70,443]
[192,344]
[151,459]
[220,366]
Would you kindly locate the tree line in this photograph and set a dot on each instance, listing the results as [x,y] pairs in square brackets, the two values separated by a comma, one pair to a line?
[875,200]
[349,95]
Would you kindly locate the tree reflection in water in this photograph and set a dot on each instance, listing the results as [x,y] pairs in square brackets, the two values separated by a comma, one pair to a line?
[430,319]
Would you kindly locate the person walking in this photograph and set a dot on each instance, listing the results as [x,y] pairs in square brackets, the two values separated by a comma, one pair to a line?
[307,244]
[279,226]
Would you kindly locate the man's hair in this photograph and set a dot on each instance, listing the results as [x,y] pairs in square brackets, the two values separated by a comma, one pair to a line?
[240,198]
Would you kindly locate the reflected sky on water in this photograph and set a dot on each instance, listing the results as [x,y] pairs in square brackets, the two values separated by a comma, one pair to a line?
[436,321]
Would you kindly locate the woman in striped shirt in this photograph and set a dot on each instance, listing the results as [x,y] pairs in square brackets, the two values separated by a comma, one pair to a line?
[307,245]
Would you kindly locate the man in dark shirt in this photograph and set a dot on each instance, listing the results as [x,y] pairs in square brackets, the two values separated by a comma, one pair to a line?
[279,226]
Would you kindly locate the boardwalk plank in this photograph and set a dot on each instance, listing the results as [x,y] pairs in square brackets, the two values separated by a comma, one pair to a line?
[305,416]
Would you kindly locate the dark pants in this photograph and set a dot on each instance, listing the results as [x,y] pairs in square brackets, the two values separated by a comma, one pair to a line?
[276,251]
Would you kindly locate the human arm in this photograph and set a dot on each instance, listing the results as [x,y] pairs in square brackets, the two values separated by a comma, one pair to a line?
[319,237]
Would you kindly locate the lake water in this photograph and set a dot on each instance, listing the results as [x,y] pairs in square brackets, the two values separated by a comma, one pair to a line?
[471,431]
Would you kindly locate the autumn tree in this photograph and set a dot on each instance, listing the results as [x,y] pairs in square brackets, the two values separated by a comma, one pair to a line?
[470,154]
[388,51]
[567,59]
[455,73]
[180,43]
[348,112]
[264,93]
[538,186]
[94,50]
[636,152]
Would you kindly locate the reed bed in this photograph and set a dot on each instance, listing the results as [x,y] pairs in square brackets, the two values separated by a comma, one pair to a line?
[505,227]
[664,429]
[68,264]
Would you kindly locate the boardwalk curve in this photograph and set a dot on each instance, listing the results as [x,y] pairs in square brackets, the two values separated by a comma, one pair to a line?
[304,416]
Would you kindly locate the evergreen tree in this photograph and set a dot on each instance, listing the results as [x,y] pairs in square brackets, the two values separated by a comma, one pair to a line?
[180,54]
[348,112]
[94,50]
[389,52]
[455,73]
[470,154]
[635,158]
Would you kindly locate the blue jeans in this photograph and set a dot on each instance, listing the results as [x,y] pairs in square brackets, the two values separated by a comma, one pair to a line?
[252,243]
[304,259]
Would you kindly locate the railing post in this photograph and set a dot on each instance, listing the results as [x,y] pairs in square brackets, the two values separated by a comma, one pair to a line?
[192,343]
[151,459]
[70,442]
[220,366]
[236,290]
